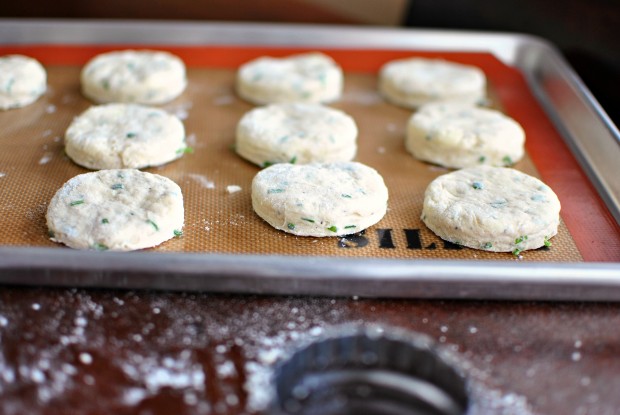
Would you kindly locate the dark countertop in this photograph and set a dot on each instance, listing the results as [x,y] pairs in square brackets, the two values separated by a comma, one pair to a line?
[124,352]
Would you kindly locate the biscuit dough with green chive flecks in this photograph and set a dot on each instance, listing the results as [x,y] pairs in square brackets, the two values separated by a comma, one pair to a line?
[117,136]
[296,133]
[22,81]
[138,76]
[458,136]
[495,209]
[413,82]
[117,210]
[307,77]
[320,199]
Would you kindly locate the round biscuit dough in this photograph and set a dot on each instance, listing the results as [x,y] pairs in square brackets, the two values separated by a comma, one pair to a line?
[321,199]
[496,209]
[296,133]
[308,77]
[117,210]
[115,136]
[413,82]
[458,136]
[22,81]
[138,76]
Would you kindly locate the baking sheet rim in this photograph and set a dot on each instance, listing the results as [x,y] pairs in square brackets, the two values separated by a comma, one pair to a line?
[278,274]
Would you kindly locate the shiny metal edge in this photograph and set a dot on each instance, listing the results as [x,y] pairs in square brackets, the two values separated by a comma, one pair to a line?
[588,131]
[549,76]
[516,280]
[119,32]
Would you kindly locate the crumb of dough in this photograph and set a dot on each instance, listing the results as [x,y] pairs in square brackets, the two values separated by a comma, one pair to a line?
[233,188]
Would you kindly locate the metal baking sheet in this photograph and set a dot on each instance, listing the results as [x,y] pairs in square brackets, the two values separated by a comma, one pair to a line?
[554,84]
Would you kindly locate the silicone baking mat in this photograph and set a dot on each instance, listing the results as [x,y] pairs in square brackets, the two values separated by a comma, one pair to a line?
[33,165]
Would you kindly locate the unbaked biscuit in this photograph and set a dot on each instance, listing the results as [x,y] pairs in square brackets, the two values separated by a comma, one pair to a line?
[139,76]
[22,81]
[321,199]
[492,208]
[296,133]
[117,136]
[118,210]
[457,136]
[414,82]
[308,77]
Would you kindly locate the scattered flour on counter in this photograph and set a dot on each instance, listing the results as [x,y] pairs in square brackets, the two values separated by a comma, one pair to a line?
[133,396]
[85,358]
[232,400]
[202,180]
[316,331]
[178,371]
[226,370]
[241,337]
[174,372]
[50,109]
[2,174]
[257,386]
[490,401]
[80,321]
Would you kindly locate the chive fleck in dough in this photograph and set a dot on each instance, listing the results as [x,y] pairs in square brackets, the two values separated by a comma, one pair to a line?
[321,199]
[296,133]
[308,77]
[116,136]
[457,136]
[22,81]
[496,209]
[413,82]
[138,76]
[119,210]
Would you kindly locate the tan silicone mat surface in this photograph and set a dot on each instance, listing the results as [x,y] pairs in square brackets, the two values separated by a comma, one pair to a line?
[33,167]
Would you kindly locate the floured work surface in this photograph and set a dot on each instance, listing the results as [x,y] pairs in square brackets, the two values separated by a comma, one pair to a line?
[34,167]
